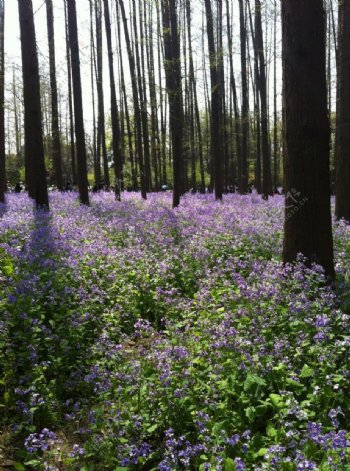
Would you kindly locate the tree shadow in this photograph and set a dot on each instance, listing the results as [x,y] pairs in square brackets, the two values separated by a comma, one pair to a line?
[46,341]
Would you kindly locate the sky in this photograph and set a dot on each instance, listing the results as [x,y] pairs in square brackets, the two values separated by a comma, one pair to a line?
[13,51]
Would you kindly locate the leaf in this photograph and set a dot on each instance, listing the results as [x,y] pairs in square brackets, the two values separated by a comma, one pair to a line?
[271,431]
[229,465]
[262,452]
[33,463]
[152,428]
[218,427]
[253,380]
[277,400]
[306,371]
[250,412]
[294,383]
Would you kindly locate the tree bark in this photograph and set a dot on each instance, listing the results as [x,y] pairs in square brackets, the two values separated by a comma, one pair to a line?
[135,94]
[174,88]
[116,138]
[243,183]
[342,207]
[34,147]
[264,115]
[56,141]
[78,103]
[2,103]
[307,227]
[216,105]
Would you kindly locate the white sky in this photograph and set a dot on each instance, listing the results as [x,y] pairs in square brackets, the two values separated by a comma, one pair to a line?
[13,51]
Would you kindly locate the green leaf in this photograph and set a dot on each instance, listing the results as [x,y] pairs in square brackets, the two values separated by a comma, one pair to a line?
[294,383]
[250,412]
[229,465]
[271,431]
[253,380]
[218,427]
[28,463]
[277,400]
[262,452]
[306,372]
[152,428]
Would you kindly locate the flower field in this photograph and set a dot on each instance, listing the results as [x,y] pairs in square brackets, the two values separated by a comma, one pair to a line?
[137,337]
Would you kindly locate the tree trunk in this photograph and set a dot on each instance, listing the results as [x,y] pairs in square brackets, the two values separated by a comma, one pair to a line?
[174,88]
[216,104]
[307,227]
[2,103]
[100,94]
[116,139]
[342,207]
[70,104]
[264,114]
[34,147]
[244,170]
[78,103]
[56,141]
[135,94]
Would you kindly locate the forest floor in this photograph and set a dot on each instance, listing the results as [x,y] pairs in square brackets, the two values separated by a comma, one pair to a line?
[137,337]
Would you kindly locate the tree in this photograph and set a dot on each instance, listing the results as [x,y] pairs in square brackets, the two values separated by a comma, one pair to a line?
[243,164]
[262,86]
[70,104]
[342,206]
[78,103]
[135,95]
[307,227]
[172,67]
[56,143]
[2,103]
[34,147]
[101,128]
[116,138]
[216,125]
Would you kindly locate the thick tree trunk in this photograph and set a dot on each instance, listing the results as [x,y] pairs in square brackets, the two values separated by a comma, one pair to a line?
[56,141]
[342,207]
[307,227]
[78,103]
[34,147]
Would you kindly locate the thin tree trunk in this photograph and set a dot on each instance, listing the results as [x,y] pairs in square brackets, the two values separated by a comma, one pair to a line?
[56,141]
[137,111]
[216,104]
[2,103]
[70,103]
[78,103]
[100,94]
[275,121]
[265,145]
[243,183]
[116,138]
